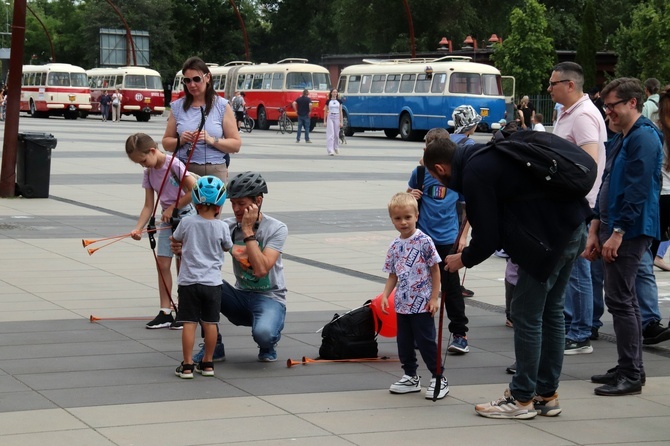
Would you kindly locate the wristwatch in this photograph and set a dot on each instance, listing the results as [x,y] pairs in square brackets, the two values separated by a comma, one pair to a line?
[619,231]
[216,139]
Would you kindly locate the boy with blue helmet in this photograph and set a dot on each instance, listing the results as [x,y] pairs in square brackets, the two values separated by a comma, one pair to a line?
[205,239]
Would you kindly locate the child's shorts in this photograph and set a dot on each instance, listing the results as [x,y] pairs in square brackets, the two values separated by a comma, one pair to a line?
[163,239]
[199,303]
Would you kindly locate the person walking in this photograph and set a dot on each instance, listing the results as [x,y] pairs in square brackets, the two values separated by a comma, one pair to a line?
[105,100]
[333,119]
[117,99]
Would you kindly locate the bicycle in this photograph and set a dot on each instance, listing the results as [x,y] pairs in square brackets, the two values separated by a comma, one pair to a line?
[285,124]
[248,122]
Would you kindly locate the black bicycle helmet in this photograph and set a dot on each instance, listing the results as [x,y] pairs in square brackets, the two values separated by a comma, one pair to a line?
[247,184]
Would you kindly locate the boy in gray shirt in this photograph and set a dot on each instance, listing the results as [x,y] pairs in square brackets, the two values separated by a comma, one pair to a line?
[205,239]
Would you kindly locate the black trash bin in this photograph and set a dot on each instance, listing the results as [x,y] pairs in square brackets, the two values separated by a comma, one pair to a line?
[33,164]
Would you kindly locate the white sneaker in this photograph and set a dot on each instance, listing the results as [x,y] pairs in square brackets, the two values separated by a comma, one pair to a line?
[406,384]
[507,407]
[444,389]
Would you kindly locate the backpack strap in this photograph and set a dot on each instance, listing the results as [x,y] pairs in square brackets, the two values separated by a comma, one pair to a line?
[420,175]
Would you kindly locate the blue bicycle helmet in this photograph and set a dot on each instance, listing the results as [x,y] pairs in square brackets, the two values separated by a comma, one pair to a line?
[209,190]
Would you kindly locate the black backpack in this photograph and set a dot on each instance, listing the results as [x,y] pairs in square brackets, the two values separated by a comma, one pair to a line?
[563,170]
[350,336]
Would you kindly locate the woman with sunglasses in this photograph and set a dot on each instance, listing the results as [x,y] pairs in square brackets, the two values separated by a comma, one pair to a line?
[219,136]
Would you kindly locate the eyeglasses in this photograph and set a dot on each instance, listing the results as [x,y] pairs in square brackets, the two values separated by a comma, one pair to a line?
[611,106]
[552,84]
[188,80]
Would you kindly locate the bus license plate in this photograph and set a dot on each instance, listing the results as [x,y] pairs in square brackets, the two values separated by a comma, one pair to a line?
[484,112]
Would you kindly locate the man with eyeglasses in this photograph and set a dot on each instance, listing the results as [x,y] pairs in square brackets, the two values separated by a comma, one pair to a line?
[627,220]
[579,122]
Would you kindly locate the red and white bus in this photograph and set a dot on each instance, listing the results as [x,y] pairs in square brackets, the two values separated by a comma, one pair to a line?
[219,78]
[141,89]
[55,89]
[269,87]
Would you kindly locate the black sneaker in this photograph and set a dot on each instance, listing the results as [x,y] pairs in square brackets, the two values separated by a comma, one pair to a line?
[611,375]
[655,333]
[577,348]
[594,334]
[466,292]
[177,325]
[511,369]
[161,321]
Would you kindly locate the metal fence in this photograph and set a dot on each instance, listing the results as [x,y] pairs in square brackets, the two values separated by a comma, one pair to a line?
[543,104]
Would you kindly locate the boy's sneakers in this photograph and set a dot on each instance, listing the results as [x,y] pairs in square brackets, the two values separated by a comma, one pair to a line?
[161,321]
[219,353]
[407,384]
[459,345]
[444,389]
[547,407]
[507,407]
[577,348]
[184,371]
[267,354]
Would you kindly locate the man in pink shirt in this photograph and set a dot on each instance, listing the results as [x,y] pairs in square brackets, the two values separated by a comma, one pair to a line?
[579,122]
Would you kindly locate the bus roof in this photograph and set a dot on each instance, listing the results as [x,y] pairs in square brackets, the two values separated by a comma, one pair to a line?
[401,66]
[291,64]
[122,70]
[53,67]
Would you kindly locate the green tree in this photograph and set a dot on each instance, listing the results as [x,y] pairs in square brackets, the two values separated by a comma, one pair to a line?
[588,44]
[642,44]
[528,52]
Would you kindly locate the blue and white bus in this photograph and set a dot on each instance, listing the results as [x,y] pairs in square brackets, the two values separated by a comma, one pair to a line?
[411,96]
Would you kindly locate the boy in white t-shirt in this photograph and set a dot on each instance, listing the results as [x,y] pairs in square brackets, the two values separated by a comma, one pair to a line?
[412,264]
[537,123]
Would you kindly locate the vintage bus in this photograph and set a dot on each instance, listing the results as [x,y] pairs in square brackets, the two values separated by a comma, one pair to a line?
[269,87]
[141,89]
[219,77]
[55,89]
[411,96]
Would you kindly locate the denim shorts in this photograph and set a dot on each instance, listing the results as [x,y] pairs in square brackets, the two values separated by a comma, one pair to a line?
[163,239]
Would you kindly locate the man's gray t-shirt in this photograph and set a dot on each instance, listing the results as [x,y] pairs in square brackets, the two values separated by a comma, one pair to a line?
[271,233]
[204,245]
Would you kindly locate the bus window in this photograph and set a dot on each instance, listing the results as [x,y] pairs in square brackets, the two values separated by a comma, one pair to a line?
[321,81]
[354,83]
[407,83]
[267,81]
[135,81]
[341,84]
[216,81]
[58,79]
[119,81]
[392,83]
[78,79]
[258,81]
[366,81]
[439,81]
[248,79]
[108,81]
[298,81]
[422,84]
[378,81]
[277,81]
[491,85]
[154,82]
[30,80]
[465,83]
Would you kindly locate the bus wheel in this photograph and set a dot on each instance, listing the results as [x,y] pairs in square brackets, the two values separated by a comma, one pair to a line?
[483,127]
[405,128]
[391,133]
[143,117]
[32,112]
[312,124]
[348,131]
[83,114]
[262,119]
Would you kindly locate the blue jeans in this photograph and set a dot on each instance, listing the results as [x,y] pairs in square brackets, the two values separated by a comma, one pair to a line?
[622,302]
[303,121]
[598,295]
[539,325]
[265,316]
[646,290]
[579,302]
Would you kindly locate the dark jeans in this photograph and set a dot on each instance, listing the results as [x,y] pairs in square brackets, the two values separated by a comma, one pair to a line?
[303,121]
[419,328]
[539,325]
[622,303]
[454,303]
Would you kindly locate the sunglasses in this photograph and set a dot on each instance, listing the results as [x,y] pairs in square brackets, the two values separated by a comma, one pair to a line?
[188,80]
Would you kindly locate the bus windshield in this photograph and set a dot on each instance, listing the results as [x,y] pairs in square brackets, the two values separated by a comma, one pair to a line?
[78,80]
[154,83]
[135,81]
[56,79]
